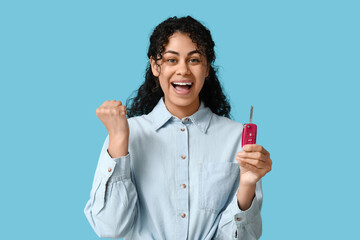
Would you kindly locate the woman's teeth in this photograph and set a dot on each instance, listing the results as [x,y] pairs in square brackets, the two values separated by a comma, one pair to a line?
[181,85]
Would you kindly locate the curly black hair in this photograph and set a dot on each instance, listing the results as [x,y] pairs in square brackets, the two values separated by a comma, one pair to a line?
[150,91]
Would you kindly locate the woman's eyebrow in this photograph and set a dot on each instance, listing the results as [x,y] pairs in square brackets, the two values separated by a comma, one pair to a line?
[193,52]
[173,52]
[176,53]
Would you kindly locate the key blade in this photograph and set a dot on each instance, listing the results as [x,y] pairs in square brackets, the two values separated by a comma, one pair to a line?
[251,113]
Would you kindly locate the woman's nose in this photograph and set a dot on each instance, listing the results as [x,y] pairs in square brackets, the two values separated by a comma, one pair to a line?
[183,68]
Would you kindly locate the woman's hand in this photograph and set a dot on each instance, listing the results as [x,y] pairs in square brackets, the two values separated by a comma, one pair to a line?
[113,115]
[254,163]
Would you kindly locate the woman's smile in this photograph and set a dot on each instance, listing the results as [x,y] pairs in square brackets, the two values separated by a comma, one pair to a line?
[182,87]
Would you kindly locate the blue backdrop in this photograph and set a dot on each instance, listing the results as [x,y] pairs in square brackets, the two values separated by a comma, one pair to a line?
[297,62]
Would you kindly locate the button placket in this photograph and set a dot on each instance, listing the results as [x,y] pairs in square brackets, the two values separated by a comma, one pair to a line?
[182,168]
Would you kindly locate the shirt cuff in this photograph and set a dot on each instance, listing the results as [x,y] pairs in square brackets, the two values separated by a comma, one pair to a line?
[118,168]
[244,217]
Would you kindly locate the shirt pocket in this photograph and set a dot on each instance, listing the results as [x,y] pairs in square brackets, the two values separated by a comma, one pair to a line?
[218,184]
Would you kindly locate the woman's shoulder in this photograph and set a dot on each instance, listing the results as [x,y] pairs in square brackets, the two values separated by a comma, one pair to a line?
[225,130]
[139,120]
[225,122]
[140,123]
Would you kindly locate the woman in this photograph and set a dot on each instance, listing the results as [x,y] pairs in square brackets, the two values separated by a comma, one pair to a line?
[171,171]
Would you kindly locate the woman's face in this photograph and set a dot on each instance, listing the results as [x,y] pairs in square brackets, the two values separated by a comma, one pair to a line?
[181,74]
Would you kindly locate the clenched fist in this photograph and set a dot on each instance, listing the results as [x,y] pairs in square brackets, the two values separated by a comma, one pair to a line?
[113,115]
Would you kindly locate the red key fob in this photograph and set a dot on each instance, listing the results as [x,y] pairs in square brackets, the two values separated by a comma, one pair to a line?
[249,132]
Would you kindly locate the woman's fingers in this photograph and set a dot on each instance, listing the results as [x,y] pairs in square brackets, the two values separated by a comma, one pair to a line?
[255,148]
[253,155]
[253,162]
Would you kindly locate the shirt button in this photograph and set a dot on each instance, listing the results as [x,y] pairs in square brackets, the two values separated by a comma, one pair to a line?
[183,215]
[183,185]
[186,119]
[238,218]
[183,156]
[109,169]
[183,129]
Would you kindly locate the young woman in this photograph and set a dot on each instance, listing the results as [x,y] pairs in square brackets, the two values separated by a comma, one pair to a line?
[175,168]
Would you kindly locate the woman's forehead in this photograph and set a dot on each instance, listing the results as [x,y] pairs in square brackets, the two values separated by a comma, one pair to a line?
[181,43]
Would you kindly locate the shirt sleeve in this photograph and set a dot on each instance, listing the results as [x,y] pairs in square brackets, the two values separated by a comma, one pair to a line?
[242,225]
[111,209]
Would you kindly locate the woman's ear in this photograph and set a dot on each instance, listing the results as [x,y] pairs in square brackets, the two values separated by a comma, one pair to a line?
[154,67]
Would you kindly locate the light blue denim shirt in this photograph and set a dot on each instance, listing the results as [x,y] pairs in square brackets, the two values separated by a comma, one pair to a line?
[179,181]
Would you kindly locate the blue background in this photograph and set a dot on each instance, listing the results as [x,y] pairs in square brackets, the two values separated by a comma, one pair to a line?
[297,62]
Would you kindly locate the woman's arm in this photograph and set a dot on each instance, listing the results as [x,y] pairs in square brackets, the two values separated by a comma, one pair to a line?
[111,210]
[236,223]
[241,219]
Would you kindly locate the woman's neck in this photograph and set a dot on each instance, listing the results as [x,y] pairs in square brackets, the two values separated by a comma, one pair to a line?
[181,111]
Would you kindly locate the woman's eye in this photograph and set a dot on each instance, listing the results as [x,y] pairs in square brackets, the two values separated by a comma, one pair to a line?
[171,60]
[194,60]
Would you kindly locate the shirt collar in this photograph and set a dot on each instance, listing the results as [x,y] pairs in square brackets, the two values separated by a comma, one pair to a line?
[160,115]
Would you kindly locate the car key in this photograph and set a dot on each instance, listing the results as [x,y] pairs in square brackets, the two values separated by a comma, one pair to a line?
[249,132]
